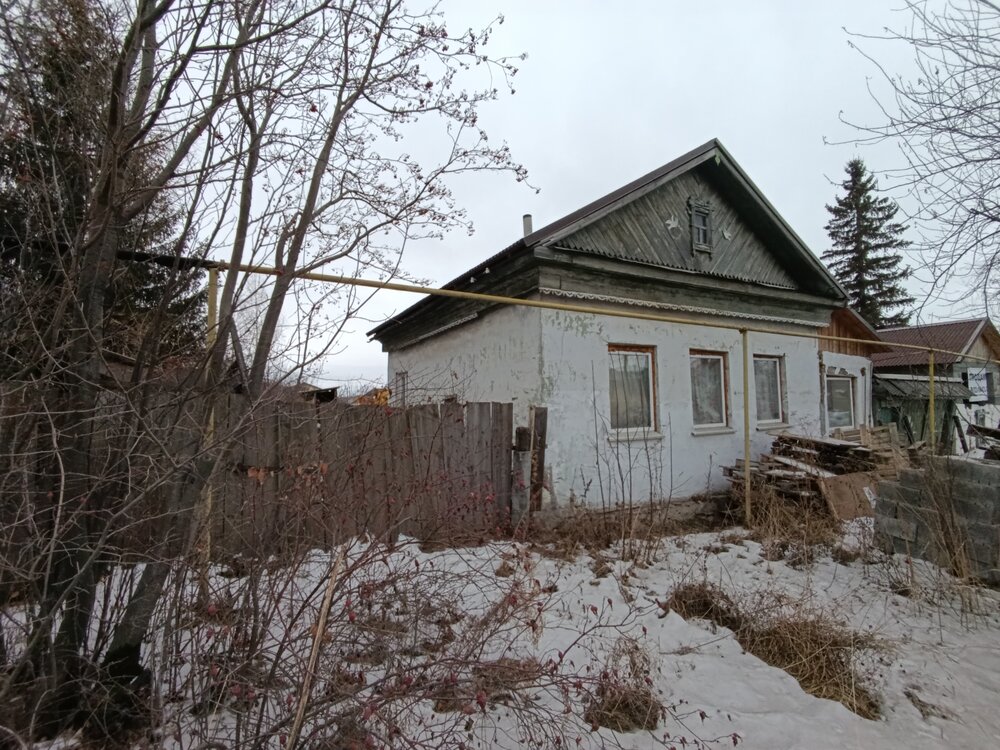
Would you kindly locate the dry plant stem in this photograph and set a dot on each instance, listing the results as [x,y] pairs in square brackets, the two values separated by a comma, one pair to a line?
[13,736]
[307,680]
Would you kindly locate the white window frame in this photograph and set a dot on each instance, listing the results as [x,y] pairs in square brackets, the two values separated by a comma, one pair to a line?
[650,354]
[723,387]
[850,382]
[780,364]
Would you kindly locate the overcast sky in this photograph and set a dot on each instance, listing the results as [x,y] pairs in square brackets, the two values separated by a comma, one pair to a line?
[608,93]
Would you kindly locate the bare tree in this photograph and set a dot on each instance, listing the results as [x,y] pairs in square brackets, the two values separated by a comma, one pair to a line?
[281,133]
[943,119]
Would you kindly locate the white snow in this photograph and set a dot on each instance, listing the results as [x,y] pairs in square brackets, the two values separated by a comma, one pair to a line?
[942,645]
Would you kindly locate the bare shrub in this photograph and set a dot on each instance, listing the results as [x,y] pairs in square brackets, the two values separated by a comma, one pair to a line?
[417,645]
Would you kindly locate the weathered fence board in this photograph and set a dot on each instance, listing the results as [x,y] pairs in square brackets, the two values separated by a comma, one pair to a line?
[282,475]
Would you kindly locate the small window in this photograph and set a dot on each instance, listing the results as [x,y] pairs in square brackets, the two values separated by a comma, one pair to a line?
[699,222]
[767,379]
[632,378]
[709,388]
[701,225]
[839,402]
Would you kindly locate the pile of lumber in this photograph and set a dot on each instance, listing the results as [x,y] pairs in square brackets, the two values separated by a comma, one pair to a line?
[834,455]
[838,473]
[883,442]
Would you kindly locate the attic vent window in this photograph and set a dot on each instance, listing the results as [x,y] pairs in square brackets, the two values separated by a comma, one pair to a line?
[701,225]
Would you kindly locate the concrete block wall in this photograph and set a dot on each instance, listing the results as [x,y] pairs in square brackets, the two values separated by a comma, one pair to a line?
[947,510]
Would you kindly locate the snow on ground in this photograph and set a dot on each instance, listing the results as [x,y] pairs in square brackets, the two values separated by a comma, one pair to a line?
[947,659]
[938,676]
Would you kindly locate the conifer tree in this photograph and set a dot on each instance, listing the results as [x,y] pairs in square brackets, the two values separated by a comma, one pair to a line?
[49,146]
[864,256]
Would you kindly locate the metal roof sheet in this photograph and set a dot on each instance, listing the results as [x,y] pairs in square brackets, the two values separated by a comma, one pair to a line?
[918,389]
[955,336]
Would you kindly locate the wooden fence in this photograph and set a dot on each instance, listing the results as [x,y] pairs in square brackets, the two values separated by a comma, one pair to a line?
[289,473]
[301,473]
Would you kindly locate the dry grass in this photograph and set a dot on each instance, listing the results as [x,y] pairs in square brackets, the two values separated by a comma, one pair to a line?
[624,700]
[809,524]
[596,529]
[494,681]
[503,676]
[814,649]
[704,602]
[817,652]
[624,708]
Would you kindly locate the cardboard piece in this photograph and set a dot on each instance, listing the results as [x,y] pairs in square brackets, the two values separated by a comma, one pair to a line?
[849,495]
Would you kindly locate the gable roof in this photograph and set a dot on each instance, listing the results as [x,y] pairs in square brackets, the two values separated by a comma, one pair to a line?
[799,266]
[953,336]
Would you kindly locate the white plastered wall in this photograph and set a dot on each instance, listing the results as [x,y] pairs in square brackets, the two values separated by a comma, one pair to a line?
[587,462]
[496,357]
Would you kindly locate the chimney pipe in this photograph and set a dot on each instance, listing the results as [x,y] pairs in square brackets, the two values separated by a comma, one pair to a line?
[526,223]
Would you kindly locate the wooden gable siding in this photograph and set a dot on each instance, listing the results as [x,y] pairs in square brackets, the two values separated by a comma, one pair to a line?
[981,348]
[639,231]
[841,325]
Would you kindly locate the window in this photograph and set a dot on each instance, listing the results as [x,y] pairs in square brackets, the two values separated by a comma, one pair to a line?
[708,389]
[767,380]
[701,225]
[839,402]
[632,387]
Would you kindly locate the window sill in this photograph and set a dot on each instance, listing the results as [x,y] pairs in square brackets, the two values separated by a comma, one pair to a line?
[634,435]
[713,430]
[771,426]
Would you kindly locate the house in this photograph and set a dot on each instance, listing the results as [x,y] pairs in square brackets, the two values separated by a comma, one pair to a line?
[846,377]
[965,389]
[641,409]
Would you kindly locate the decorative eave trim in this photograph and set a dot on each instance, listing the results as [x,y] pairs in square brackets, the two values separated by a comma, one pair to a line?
[673,268]
[676,308]
[436,331]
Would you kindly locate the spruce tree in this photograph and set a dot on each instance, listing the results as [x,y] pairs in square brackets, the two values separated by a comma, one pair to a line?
[49,146]
[865,253]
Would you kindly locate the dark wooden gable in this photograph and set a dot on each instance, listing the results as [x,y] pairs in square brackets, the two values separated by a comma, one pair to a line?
[643,224]
[655,228]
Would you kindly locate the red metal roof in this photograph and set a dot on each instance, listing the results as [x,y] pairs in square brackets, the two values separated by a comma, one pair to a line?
[956,336]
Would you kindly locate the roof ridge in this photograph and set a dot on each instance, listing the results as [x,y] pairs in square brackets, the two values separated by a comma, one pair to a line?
[939,323]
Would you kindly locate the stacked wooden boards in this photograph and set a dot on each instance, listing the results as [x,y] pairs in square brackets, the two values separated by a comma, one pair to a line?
[840,474]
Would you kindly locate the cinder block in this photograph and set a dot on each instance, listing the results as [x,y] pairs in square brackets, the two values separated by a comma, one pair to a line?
[889,490]
[917,496]
[911,478]
[947,468]
[896,528]
[901,546]
[983,542]
[884,507]
[978,510]
[918,515]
